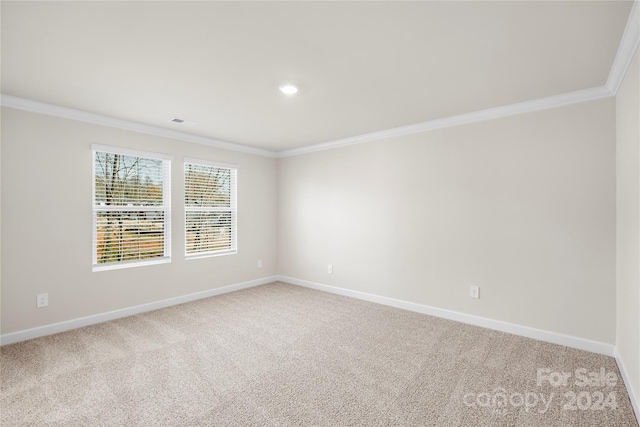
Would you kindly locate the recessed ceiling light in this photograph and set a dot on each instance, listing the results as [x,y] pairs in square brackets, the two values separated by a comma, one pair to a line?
[288,89]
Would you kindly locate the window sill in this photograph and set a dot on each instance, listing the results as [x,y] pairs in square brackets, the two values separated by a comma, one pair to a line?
[210,254]
[130,264]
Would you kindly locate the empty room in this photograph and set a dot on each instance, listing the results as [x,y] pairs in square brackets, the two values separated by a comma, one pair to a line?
[320,213]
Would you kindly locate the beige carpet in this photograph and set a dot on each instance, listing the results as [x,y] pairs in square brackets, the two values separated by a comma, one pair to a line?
[281,355]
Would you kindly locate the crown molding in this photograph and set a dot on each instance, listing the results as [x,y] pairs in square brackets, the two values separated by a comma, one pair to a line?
[626,50]
[477,116]
[83,116]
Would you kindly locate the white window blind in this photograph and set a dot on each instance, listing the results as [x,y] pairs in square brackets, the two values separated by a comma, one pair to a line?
[131,208]
[210,208]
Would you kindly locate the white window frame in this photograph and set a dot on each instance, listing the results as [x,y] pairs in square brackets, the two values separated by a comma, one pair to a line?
[165,207]
[233,208]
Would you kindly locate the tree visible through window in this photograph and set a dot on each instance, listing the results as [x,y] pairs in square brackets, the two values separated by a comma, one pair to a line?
[131,207]
[210,208]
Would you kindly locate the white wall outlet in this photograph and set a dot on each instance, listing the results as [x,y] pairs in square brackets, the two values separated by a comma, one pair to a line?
[330,269]
[42,300]
[474,291]
[259,263]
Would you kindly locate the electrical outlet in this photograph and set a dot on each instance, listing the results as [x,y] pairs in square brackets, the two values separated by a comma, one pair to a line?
[474,291]
[330,269]
[42,300]
[259,263]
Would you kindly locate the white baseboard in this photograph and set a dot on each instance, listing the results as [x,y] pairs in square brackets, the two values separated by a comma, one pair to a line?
[67,325]
[525,331]
[547,336]
[633,394]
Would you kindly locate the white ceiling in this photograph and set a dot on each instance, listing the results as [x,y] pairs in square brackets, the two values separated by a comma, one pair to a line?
[361,66]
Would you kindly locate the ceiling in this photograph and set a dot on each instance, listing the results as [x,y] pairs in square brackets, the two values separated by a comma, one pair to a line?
[361,66]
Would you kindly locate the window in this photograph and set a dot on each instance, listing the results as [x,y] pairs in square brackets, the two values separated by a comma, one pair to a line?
[210,208]
[131,208]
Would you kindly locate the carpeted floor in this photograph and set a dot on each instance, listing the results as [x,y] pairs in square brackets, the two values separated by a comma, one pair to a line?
[282,355]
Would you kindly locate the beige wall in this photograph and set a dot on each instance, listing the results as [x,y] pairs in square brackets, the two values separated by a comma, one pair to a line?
[628,223]
[522,206]
[47,231]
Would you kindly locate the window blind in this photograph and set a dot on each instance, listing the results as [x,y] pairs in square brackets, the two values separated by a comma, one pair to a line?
[131,208]
[210,208]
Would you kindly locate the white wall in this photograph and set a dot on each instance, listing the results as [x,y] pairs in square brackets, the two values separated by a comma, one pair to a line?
[628,224]
[522,206]
[47,231]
